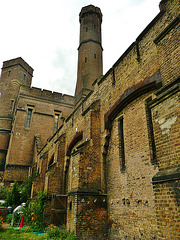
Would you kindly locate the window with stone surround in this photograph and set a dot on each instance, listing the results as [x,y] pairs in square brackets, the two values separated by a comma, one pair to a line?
[29,114]
[56,122]
[11,105]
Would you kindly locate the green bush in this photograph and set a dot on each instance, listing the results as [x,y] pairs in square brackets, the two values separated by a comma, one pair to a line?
[34,213]
[3,192]
[9,218]
[13,196]
[56,233]
[26,189]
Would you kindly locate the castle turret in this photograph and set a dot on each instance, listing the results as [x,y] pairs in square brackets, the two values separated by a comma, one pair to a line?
[90,65]
[15,72]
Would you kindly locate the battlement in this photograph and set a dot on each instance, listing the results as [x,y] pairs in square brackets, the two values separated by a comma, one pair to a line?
[47,94]
[89,10]
[18,61]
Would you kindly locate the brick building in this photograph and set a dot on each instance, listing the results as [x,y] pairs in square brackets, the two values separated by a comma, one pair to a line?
[112,168]
[23,110]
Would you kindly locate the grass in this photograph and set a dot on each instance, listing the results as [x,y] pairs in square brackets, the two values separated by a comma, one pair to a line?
[19,234]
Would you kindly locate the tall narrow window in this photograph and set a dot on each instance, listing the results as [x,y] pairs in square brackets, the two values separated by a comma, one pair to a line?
[56,122]
[11,105]
[85,59]
[150,132]
[9,73]
[29,114]
[121,144]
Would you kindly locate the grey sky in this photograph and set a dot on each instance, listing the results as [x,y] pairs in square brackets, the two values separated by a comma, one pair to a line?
[45,33]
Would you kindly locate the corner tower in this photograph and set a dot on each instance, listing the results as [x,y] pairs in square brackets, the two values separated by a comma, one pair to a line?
[90,50]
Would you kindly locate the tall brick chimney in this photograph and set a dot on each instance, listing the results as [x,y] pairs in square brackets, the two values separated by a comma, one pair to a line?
[90,50]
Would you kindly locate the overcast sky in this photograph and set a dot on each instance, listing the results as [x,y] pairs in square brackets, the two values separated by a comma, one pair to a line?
[45,33]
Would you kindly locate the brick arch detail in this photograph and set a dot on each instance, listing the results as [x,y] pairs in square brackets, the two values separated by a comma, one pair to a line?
[130,94]
[77,137]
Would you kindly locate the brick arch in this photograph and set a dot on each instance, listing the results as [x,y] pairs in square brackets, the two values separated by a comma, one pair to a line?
[149,84]
[77,137]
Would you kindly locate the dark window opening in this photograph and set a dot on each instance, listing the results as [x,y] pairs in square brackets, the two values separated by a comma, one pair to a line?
[56,121]
[86,29]
[121,144]
[9,73]
[95,56]
[11,106]
[29,114]
[85,59]
[94,26]
[2,164]
[150,132]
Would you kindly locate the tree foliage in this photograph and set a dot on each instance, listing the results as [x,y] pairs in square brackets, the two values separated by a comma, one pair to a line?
[26,189]
[14,195]
[35,212]
[3,192]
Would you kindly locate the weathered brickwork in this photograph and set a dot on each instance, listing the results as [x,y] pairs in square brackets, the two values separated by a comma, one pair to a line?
[91,217]
[166,115]
[39,173]
[167,209]
[166,122]
[112,169]
[130,192]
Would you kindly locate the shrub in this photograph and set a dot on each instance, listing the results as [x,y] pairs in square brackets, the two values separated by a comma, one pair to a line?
[9,218]
[26,189]
[13,196]
[3,192]
[59,233]
[34,213]
[1,218]
[53,231]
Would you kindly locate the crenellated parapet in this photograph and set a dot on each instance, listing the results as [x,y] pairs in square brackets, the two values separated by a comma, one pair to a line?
[90,10]
[46,94]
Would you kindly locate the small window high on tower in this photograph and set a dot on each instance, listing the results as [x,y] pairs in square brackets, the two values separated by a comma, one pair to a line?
[29,114]
[56,121]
